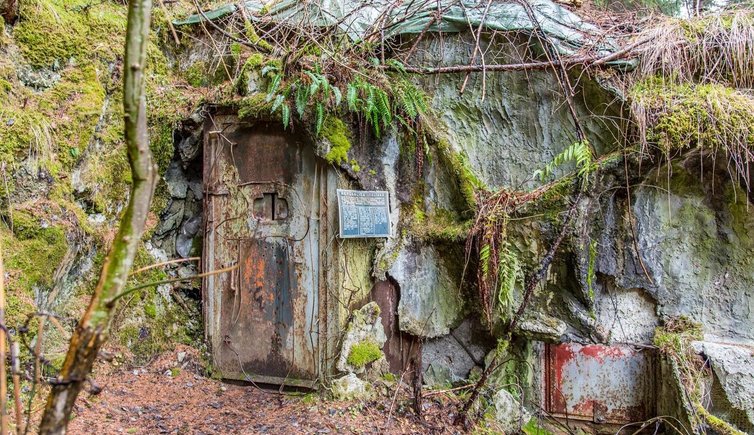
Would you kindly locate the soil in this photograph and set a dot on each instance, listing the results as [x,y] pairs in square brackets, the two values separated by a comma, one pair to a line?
[172,396]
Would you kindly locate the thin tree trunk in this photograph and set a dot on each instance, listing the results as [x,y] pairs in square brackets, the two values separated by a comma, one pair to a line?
[91,332]
[3,378]
[16,374]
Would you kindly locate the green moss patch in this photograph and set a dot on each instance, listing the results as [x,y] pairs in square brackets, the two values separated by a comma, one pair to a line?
[32,251]
[363,353]
[54,31]
[336,132]
[680,116]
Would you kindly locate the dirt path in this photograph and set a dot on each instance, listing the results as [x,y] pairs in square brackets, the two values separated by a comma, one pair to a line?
[171,397]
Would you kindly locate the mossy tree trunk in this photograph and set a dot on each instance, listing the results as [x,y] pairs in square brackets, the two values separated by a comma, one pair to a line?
[91,332]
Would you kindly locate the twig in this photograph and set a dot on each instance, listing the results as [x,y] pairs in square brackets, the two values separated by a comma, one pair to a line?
[164,263]
[170,23]
[168,281]
[477,48]
[449,390]
[221,30]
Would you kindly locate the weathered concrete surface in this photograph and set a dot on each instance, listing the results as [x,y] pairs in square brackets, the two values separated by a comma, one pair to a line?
[733,366]
[430,302]
[627,316]
[698,250]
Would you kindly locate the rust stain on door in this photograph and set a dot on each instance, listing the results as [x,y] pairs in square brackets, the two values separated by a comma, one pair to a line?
[598,383]
[263,194]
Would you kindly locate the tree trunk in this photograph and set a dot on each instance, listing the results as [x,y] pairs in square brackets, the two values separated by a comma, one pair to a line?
[91,332]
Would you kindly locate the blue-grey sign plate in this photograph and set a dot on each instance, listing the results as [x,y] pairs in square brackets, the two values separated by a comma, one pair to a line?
[363,213]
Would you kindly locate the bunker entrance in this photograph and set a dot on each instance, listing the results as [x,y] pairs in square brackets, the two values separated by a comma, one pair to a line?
[265,195]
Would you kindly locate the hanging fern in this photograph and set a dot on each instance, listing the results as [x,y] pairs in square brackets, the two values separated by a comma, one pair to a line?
[579,153]
[509,273]
[314,96]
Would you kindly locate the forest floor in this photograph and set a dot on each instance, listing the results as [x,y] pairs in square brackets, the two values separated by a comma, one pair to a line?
[172,397]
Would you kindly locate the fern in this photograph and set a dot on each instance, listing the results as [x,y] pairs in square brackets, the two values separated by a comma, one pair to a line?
[484,259]
[509,273]
[302,98]
[579,153]
[396,65]
[319,118]
[352,97]
[337,95]
[286,113]
[277,103]
[274,85]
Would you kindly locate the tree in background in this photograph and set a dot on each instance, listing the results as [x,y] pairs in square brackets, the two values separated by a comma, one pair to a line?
[92,330]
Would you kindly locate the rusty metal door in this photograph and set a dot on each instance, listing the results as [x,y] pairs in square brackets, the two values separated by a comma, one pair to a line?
[263,191]
[598,383]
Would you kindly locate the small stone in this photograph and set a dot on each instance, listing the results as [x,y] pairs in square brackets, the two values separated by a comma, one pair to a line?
[511,415]
[181,356]
[350,387]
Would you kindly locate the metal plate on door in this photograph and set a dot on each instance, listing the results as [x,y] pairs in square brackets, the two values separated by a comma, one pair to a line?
[599,383]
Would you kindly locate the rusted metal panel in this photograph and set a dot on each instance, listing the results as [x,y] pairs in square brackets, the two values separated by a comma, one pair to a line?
[598,383]
[400,348]
[263,195]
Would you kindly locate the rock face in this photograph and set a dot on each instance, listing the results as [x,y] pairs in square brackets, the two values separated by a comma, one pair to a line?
[518,121]
[509,413]
[733,366]
[696,248]
[430,302]
[350,387]
[450,358]
[180,225]
[363,340]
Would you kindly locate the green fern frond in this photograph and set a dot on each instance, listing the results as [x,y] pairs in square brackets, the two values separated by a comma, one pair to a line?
[396,65]
[319,118]
[286,113]
[337,94]
[273,88]
[579,153]
[302,99]
[352,97]
[484,259]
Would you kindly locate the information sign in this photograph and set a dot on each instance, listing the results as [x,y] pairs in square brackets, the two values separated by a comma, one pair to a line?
[363,213]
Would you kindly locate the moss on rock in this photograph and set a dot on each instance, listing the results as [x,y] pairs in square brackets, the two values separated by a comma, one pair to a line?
[680,116]
[54,31]
[363,353]
[335,131]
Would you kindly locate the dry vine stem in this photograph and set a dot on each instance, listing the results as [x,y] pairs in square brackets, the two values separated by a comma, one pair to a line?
[91,332]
